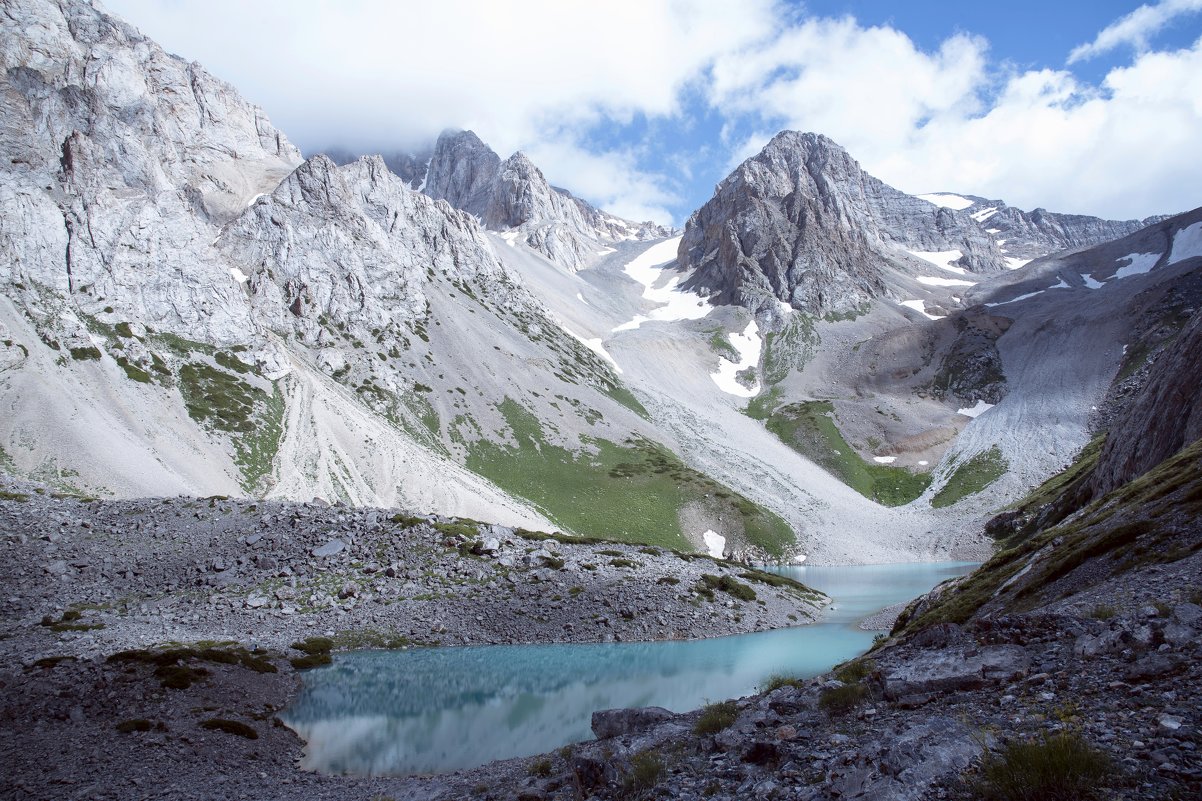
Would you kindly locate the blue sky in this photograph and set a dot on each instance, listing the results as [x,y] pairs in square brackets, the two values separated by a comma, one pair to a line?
[642,107]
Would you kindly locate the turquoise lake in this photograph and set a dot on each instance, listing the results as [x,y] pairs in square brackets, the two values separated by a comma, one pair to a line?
[429,710]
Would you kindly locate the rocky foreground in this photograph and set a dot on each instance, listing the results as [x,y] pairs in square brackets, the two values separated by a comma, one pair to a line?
[130,626]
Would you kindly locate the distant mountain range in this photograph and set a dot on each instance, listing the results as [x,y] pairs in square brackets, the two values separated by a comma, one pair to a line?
[190,306]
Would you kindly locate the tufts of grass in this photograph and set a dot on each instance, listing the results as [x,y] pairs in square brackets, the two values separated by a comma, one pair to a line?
[971,477]
[541,767]
[777,680]
[716,717]
[646,769]
[230,727]
[728,585]
[837,701]
[1102,612]
[1054,767]
[855,670]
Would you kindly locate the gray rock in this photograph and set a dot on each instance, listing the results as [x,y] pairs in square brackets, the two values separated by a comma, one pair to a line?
[617,722]
[954,669]
[331,548]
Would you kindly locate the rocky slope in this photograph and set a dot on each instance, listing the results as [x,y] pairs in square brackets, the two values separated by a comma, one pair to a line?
[1025,235]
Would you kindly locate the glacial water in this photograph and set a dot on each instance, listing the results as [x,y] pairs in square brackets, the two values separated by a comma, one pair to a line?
[430,710]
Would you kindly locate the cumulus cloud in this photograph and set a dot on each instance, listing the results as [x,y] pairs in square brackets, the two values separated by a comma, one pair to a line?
[378,75]
[591,91]
[1135,28]
[944,120]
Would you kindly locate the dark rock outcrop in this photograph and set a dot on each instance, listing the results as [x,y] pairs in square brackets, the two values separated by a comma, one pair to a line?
[802,223]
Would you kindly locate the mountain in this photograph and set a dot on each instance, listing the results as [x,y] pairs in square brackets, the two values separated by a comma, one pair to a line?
[1026,235]
[513,197]
[189,307]
[410,167]
[802,224]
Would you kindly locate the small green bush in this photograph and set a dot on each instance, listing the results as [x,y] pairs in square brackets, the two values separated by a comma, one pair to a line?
[230,727]
[716,717]
[1102,612]
[623,563]
[541,768]
[729,585]
[314,645]
[1057,767]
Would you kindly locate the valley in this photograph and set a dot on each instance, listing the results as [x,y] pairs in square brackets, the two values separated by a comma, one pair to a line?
[280,428]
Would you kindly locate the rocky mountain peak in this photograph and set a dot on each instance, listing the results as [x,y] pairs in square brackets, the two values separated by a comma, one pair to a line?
[463,171]
[802,223]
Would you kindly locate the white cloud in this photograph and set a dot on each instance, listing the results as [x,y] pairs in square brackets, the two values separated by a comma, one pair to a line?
[385,75]
[944,121]
[1134,28]
[550,78]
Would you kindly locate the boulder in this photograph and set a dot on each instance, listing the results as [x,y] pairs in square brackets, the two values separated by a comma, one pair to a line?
[953,669]
[617,722]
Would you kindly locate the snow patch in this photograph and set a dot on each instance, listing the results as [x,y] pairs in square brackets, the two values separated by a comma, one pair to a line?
[933,281]
[1014,263]
[941,258]
[884,459]
[239,276]
[748,346]
[1187,243]
[715,543]
[251,202]
[646,268]
[1091,282]
[1138,264]
[606,251]
[510,238]
[920,307]
[976,411]
[923,463]
[1020,297]
[984,214]
[948,201]
[594,345]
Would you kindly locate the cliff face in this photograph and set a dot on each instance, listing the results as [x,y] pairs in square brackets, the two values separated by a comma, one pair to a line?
[803,224]
[1161,420]
[1031,234]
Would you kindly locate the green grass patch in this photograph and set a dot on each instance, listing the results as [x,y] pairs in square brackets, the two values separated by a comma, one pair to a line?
[631,492]
[971,477]
[1054,767]
[810,429]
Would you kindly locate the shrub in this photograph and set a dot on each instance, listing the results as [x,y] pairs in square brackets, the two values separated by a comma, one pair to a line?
[314,645]
[1061,766]
[541,767]
[729,585]
[716,717]
[1102,612]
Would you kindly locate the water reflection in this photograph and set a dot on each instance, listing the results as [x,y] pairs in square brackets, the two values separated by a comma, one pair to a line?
[442,709]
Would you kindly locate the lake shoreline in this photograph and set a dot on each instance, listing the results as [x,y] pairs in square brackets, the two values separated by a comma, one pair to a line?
[233,584]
